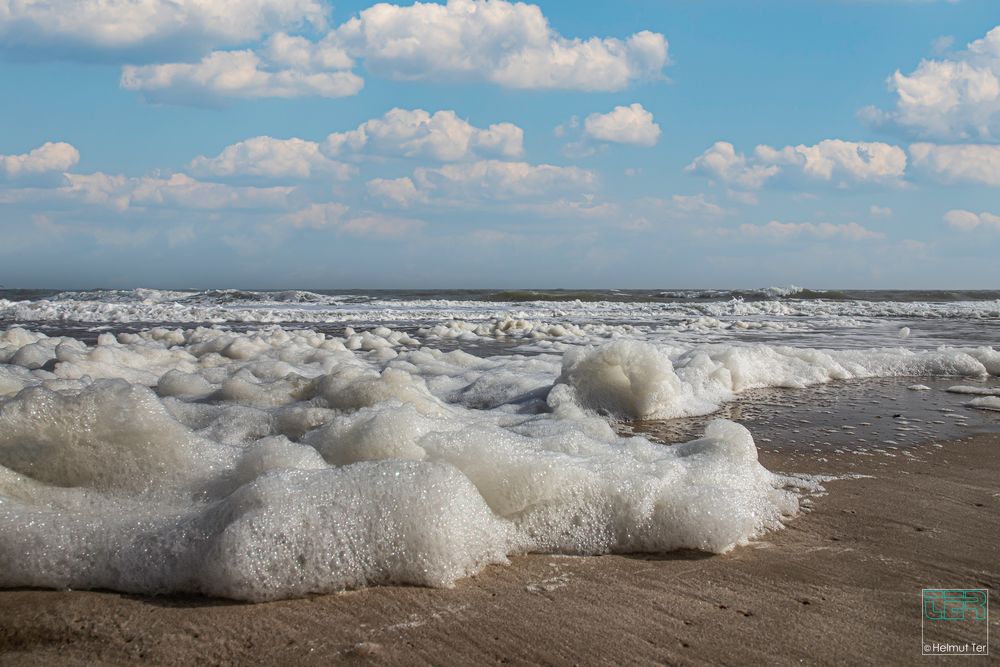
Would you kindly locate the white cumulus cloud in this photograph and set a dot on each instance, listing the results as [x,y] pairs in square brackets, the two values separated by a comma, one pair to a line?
[505,43]
[493,179]
[831,160]
[106,27]
[722,162]
[297,52]
[176,191]
[271,158]
[399,192]
[235,74]
[696,206]
[485,180]
[955,98]
[967,220]
[49,157]
[837,160]
[494,41]
[441,136]
[416,133]
[970,163]
[624,125]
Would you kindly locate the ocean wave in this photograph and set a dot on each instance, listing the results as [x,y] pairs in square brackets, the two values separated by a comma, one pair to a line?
[305,307]
[487,296]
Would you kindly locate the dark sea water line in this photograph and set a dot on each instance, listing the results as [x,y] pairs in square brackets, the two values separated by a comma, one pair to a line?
[660,295]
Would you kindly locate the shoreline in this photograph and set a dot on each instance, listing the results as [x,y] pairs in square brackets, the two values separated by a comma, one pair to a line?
[841,583]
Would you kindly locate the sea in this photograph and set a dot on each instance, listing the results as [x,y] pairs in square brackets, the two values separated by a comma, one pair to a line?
[261,445]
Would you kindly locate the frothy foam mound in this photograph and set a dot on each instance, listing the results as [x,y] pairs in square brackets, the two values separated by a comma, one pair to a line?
[985,403]
[981,391]
[636,380]
[279,463]
[627,379]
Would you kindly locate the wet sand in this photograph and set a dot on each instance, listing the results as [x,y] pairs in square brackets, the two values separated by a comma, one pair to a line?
[840,585]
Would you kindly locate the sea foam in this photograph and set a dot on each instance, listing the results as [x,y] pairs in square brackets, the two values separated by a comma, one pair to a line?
[279,463]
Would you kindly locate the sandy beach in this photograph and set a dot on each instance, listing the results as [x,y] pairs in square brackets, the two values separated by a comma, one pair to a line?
[458,332]
[840,585]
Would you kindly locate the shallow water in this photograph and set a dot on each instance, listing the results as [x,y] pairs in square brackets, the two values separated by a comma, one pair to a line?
[879,415]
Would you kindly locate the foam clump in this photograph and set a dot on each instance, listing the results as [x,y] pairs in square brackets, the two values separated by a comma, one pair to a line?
[277,463]
[109,436]
[626,379]
[507,327]
[968,389]
[301,532]
[638,380]
[985,403]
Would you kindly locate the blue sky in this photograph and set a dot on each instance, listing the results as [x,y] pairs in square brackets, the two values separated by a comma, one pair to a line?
[295,143]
